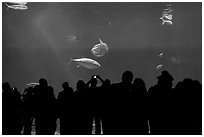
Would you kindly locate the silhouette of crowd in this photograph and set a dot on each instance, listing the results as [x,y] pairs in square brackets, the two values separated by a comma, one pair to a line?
[124,108]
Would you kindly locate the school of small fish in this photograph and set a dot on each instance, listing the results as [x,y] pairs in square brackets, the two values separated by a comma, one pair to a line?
[167,15]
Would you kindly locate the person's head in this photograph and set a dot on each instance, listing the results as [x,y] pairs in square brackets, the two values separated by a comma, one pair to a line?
[165,78]
[43,82]
[138,82]
[179,85]
[65,85]
[80,85]
[107,82]
[188,82]
[196,83]
[15,89]
[93,82]
[6,86]
[127,77]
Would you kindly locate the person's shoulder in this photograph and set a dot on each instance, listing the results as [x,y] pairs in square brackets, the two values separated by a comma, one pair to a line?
[61,93]
[153,88]
[116,84]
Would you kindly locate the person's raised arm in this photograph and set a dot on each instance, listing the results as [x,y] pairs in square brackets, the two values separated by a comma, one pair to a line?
[88,83]
[102,81]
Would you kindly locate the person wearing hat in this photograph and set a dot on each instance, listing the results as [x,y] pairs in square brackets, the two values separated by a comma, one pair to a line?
[160,102]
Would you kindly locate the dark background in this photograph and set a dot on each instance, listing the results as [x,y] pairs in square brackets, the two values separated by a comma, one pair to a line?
[40,41]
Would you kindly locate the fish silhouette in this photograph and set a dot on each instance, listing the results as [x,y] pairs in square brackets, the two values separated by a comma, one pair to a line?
[100,49]
[169,22]
[32,84]
[17,7]
[86,63]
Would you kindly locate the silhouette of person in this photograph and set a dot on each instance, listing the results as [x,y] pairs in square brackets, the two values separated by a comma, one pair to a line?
[66,105]
[188,107]
[45,105]
[95,94]
[119,101]
[28,111]
[17,106]
[6,108]
[160,97]
[103,97]
[138,110]
[83,103]
[115,109]
[11,110]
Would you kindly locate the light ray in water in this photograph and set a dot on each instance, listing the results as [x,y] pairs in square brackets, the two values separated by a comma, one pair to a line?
[101,127]
[93,127]
[149,131]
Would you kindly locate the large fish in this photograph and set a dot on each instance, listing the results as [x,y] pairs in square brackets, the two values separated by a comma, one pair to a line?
[86,62]
[18,3]
[17,7]
[99,49]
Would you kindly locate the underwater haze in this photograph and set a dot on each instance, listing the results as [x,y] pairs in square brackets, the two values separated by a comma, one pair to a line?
[40,41]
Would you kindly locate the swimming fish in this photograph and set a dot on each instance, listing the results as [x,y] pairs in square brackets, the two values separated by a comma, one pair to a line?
[161,54]
[166,21]
[100,49]
[167,15]
[17,7]
[32,84]
[19,3]
[86,62]
[159,66]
